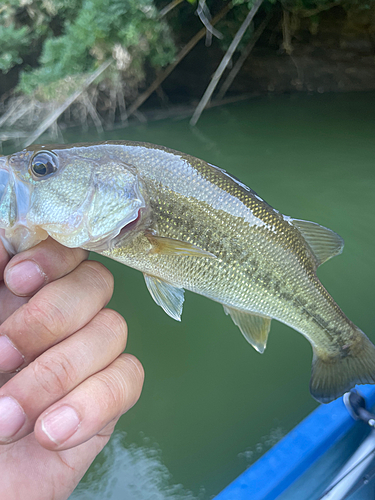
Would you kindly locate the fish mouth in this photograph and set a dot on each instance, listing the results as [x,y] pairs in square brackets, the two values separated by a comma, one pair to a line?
[4,175]
[6,194]
[15,196]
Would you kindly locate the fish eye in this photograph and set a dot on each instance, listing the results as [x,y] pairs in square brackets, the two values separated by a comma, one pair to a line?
[43,165]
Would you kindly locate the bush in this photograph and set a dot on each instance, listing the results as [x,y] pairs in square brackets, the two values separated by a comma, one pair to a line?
[77,36]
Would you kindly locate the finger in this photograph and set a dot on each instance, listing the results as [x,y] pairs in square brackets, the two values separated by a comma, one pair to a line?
[55,312]
[57,372]
[5,377]
[9,303]
[28,271]
[98,401]
[4,256]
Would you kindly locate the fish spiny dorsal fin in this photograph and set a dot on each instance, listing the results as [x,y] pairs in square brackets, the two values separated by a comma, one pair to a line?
[168,297]
[323,242]
[253,327]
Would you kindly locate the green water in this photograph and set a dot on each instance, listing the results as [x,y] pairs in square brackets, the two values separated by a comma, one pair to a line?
[211,405]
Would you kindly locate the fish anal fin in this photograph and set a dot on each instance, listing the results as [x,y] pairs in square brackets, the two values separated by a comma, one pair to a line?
[170,246]
[170,298]
[331,377]
[254,328]
[323,242]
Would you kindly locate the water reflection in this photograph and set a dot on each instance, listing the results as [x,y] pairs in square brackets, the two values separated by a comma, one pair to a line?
[266,442]
[132,472]
[208,397]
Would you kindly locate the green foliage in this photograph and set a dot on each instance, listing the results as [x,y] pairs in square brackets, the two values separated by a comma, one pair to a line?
[71,38]
[90,35]
[13,43]
[26,23]
[304,6]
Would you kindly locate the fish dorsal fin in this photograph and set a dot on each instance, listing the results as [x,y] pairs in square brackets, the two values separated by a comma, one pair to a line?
[170,246]
[253,327]
[323,242]
[170,298]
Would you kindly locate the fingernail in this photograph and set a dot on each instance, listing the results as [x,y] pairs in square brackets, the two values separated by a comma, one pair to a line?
[24,278]
[10,358]
[60,424]
[12,417]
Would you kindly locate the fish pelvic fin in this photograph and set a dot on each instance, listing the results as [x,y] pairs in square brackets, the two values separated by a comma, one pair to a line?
[170,298]
[331,377]
[253,327]
[323,242]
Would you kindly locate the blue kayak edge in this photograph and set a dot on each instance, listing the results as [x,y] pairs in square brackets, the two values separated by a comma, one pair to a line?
[277,469]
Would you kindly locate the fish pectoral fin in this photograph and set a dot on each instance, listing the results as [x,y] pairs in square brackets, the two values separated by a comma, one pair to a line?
[323,242]
[254,328]
[170,298]
[170,246]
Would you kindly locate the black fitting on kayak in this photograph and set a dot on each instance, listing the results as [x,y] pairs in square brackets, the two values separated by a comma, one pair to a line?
[356,406]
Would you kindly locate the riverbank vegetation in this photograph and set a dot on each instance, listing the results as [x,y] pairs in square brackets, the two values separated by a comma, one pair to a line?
[49,49]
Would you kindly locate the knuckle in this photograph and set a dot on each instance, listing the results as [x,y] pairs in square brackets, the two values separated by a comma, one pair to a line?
[112,390]
[113,322]
[68,257]
[108,430]
[120,385]
[53,373]
[67,254]
[43,320]
[98,275]
[135,367]
[62,253]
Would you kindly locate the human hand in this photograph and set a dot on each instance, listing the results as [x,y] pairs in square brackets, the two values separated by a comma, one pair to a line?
[60,409]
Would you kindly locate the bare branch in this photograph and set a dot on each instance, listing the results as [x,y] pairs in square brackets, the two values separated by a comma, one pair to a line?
[168,70]
[244,55]
[224,62]
[52,117]
[169,7]
[287,36]
[205,16]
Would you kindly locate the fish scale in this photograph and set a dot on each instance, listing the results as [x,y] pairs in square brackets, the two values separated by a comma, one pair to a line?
[252,291]
[187,224]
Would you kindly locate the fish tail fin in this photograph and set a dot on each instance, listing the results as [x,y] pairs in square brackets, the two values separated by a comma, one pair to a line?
[331,377]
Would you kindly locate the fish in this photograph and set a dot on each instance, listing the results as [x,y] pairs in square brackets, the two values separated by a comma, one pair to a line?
[188,225]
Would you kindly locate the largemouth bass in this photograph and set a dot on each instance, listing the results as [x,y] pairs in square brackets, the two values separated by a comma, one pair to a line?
[187,224]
